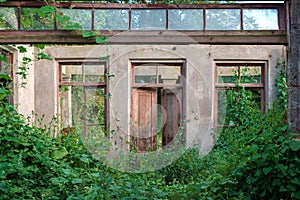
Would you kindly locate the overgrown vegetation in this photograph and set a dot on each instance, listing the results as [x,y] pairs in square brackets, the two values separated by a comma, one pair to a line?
[255,159]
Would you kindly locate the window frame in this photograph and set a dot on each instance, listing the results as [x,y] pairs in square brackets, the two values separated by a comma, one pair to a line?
[248,86]
[103,85]
[179,63]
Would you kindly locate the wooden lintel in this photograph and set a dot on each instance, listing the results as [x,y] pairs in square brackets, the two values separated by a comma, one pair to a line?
[147,37]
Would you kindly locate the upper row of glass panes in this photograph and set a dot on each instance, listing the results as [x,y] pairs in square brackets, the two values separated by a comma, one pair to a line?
[141,19]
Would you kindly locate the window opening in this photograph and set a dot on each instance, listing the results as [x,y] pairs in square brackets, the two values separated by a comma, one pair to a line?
[133,17]
[228,76]
[156,105]
[6,67]
[82,98]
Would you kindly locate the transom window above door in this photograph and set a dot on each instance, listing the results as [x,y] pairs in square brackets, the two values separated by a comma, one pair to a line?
[157,74]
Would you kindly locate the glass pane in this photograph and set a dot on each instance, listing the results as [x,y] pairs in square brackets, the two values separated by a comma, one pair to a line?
[185,19]
[154,19]
[227,74]
[72,107]
[111,19]
[169,74]
[256,96]
[71,73]
[94,73]
[260,19]
[251,74]
[35,19]
[222,103]
[4,69]
[75,19]
[145,74]
[95,106]
[223,19]
[8,18]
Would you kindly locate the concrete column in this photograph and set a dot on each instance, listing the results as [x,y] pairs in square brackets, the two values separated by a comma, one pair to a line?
[293,67]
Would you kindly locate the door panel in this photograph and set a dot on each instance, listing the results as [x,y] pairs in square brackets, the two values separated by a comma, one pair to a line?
[144,119]
[171,101]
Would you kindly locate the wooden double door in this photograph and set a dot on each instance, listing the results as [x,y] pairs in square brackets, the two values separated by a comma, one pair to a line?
[156,117]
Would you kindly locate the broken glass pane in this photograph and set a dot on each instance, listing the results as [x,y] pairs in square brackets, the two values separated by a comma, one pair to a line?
[71,73]
[93,73]
[250,74]
[223,19]
[36,19]
[114,19]
[8,18]
[74,19]
[260,19]
[146,19]
[185,19]
[169,74]
[222,107]
[227,74]
[145,74]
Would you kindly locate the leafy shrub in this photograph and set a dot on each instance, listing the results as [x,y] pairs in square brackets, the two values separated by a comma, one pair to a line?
[254,159]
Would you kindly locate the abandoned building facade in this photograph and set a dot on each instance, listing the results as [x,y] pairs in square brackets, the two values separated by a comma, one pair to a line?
[164,69]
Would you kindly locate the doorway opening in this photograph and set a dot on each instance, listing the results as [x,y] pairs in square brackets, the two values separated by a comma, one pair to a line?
[156,104]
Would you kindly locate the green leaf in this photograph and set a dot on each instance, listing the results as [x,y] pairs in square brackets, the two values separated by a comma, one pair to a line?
[294,145]
[267,170]
[59,153]
[101,39]
[84,158]
[2,57]
[58,180]
[87,34]
[110,75]
[104,58]
[108,95]
[43,56]
[22,49]
[40,46]
[75,26]
[3,187]
[77,180]
[60,18]
[48,9]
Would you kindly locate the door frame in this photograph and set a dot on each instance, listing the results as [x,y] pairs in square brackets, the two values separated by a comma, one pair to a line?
[181,85]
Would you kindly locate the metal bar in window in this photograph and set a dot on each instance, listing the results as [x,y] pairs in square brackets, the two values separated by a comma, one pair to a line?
[85,113]
[19,18]
[129,20]
[167,18]
[55,21]
[82,71]
[93,19]
[241,19]
[204,19]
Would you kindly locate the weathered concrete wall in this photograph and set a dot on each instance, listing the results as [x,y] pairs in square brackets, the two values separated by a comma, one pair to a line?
[45,98]
[293,68]
[199,89]
[24,96]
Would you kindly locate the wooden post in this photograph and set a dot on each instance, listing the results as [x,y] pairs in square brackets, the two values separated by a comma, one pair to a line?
[293,65]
